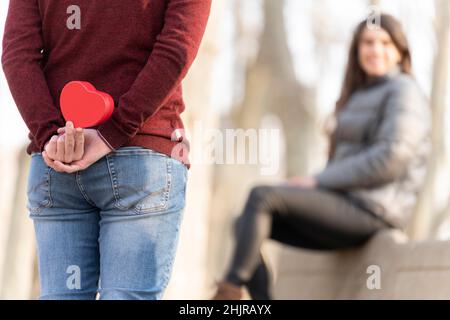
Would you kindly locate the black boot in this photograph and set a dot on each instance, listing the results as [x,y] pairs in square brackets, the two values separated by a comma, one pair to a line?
[260,285]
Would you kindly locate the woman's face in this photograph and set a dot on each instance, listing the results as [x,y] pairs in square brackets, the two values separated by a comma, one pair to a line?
[377,52]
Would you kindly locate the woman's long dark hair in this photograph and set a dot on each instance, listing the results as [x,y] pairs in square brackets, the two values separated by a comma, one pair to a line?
[355,77]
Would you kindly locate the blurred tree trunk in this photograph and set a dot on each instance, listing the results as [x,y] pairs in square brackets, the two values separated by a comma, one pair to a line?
[270,88]
[284,96]
[421,226]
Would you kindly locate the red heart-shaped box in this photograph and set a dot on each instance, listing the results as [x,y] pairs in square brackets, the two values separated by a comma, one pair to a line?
[84,105]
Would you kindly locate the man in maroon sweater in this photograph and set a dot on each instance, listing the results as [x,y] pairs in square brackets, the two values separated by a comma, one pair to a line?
[137,51]
[110,226]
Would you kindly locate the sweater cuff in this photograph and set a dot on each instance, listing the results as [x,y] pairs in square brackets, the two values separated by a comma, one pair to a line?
[112,134]
[51,131]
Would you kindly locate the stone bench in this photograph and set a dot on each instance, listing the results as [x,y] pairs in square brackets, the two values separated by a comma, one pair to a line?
[408,270]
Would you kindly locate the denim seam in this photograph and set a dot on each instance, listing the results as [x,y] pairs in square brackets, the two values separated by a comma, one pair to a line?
[49,184]
[113,178]
[82,190]
[136,151]
[48,202]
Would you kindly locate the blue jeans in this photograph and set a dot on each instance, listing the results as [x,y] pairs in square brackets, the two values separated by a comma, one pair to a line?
[111,229]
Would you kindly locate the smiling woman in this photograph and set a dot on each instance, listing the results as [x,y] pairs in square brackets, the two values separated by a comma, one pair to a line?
[390,36]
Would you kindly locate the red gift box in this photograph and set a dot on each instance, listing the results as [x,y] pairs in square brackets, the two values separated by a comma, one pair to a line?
[84,105]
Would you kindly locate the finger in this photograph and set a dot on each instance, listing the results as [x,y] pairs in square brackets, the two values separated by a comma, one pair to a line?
[79,144]
[49,161]
[79,165]
[60,148]
[70,143]
[51,147]
[67,168]
[61,130]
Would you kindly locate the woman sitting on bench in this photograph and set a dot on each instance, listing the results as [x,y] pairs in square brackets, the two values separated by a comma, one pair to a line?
[377,164]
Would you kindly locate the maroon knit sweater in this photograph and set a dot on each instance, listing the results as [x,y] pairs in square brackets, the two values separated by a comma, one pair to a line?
[138,53]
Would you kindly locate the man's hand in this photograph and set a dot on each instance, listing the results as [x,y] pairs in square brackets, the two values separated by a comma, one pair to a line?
[66,147]
[94,149]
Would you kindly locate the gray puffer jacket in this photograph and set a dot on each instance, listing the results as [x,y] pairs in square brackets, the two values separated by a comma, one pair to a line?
[383,142]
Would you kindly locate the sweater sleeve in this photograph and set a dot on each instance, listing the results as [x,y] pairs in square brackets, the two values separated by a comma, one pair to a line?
[404,125]
[21,61]
[172,55]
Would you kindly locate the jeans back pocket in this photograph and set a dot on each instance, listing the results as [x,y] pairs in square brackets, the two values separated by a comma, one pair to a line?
[141,179]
